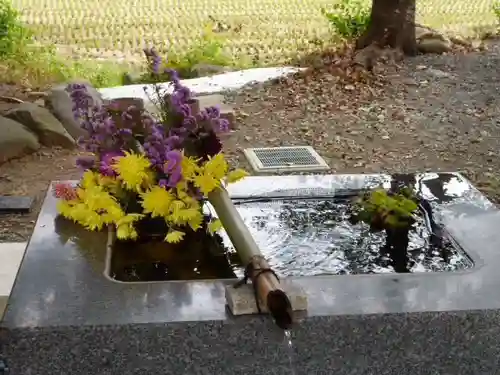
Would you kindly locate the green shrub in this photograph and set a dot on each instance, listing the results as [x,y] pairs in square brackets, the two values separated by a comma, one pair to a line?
[23,63]
[348,18]
[496,10]
[13,35]
[209,49]
[43,66]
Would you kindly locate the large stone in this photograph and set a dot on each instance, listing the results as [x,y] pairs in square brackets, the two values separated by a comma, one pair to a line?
[60,104]
[431,41]
[434,45]
[40,121]
[226,111]
[16,140]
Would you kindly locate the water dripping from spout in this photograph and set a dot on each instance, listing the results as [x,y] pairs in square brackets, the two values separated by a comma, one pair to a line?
[289,348]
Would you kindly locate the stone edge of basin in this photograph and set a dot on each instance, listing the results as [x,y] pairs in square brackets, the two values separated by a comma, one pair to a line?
[94,300]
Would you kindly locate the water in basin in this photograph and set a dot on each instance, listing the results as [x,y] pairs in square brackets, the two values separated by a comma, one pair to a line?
[298,236]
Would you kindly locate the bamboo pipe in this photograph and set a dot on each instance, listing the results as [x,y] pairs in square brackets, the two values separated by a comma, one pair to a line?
[267,285]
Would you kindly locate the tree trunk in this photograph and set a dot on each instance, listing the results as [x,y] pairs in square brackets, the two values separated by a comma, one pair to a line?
[392,24]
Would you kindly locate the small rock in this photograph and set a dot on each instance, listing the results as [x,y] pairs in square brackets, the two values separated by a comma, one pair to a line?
[349,87]
[409,82]
[421,67]
[37,94]
[16,140]
[438,73]
[43,123]
[60,104]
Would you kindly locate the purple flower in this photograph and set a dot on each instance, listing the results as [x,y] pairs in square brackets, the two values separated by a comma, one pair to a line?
[212,112]
[163,183]
[174,160]
[183,129]
[174,76]
[185,110]
[190,122]
[154,60]
[174,142]
[106,164]
[102,134]
[223,125]
[173,167]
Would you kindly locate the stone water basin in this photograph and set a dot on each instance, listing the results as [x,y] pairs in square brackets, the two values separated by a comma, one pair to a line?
[303,229]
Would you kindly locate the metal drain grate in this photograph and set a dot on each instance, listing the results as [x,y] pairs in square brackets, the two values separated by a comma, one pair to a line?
[285,159]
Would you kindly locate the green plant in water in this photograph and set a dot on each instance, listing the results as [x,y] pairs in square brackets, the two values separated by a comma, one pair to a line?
[348,18]
[382,210]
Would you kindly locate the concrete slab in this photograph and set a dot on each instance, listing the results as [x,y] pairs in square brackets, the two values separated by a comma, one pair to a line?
[11,255]
[203,85]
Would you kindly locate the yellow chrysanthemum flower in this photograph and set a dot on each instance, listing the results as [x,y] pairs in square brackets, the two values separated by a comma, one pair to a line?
[89,179]
[196,221]
[125,229]
[206,183]
[64,208]
[109,183]
[176,206]
[216,167]
[236,175]
[133,170]
[157,201]
[188,214]
[113,214]
[174,236]
[189,167]
[214,226]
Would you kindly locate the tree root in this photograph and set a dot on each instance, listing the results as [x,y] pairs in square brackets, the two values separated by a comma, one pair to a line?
[10,99]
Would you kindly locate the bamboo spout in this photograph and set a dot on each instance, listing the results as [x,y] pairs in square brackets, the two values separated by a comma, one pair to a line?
[267,286]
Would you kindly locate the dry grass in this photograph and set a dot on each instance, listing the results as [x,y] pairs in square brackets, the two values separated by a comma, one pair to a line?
[269,28]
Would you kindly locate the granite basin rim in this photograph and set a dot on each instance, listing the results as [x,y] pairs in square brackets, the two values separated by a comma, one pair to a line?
[68,291]
[477,262]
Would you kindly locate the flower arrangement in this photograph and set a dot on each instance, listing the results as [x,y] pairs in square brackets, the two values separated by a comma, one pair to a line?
[140,166]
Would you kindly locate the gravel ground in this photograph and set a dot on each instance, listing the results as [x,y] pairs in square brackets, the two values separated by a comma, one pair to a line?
[430,113]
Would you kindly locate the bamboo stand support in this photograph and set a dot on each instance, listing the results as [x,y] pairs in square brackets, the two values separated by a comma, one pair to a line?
[269,294]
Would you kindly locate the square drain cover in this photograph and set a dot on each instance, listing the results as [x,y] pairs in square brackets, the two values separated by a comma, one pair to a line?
[283,159]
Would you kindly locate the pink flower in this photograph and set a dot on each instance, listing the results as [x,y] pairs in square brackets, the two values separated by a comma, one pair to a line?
[65,191]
